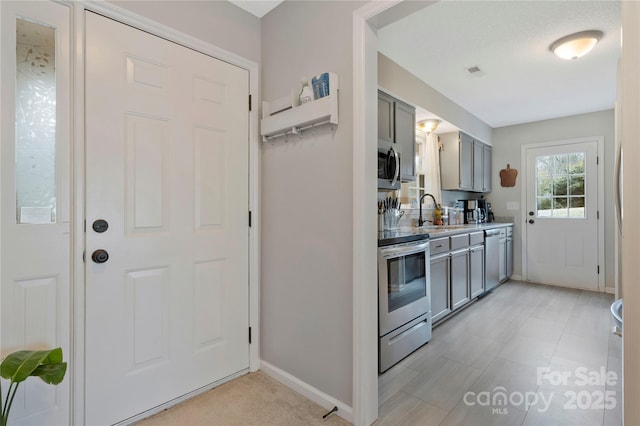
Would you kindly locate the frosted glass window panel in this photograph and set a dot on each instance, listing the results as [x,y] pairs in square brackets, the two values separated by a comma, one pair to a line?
[35,123]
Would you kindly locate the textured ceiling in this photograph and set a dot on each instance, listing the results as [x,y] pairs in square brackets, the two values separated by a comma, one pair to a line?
[520,80]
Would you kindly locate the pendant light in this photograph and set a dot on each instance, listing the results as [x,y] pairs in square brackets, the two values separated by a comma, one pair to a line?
[576,45]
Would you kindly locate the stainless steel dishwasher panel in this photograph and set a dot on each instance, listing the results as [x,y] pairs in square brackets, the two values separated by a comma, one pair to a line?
[492,258]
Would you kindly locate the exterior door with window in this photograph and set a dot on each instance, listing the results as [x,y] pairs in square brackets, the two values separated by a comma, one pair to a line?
[562,214]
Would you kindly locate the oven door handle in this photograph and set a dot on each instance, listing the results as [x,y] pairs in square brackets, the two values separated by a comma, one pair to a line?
[392,252]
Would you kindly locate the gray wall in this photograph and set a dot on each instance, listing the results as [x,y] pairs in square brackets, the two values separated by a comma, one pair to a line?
[507,142]
[306,278]
[306,184]
[406,86]
[217,22]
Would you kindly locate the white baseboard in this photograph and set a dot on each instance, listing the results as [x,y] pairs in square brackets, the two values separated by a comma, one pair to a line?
[516,277]
[610,290]
[308,391]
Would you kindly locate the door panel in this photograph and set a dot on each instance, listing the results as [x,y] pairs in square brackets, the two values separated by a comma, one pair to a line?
[35,221]
[562,207]
[167,168]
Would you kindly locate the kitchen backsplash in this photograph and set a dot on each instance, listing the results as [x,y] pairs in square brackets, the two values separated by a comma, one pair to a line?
[410,217]
[505,219]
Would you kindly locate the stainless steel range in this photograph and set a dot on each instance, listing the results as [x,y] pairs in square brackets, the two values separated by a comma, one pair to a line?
[404,299]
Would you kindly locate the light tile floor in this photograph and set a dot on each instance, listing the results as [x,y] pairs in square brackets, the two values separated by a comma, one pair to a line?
[496,347]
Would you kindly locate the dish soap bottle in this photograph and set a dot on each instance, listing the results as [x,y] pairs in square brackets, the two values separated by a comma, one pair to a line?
[306,94]
[437,215]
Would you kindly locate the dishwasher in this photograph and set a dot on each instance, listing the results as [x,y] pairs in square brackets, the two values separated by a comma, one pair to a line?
[491,258]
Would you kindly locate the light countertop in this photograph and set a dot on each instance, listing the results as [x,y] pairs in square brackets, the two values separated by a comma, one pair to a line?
[413,233]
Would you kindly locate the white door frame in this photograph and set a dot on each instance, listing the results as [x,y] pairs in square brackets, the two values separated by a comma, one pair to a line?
[78,181]
[365,193]
[602,215]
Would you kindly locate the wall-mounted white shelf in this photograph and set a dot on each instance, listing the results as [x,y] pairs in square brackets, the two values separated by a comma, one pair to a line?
[293,119]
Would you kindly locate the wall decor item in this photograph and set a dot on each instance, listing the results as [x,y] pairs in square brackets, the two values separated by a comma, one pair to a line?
[508,177]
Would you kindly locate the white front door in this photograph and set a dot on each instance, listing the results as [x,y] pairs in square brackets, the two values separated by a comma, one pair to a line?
[167,202]
[562,214]
[35,261]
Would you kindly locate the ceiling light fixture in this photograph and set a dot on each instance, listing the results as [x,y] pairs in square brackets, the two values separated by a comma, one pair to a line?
[575,45]
[429,125]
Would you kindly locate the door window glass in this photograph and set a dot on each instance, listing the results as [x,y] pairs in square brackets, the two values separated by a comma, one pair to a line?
[560,185]
[35,123]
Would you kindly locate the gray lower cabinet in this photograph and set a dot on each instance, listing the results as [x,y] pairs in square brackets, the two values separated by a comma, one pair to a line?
[506,253]
[502,250]
[476,270]
[457,272]
[460,292]
[509,251]
[440,304]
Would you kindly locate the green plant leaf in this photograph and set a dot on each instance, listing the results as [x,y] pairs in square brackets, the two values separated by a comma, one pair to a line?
[19,365]
[52,374]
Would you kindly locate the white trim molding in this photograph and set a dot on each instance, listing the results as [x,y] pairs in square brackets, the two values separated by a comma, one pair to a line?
[308,391]
[365,298]
[630,137]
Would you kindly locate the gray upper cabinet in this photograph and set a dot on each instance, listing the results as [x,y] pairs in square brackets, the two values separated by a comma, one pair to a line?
[486,168]
[465,163]
[397,128]
[405,129]
[478,164]
[385,119]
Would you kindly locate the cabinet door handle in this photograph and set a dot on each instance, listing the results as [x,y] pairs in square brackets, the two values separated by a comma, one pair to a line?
[457,252]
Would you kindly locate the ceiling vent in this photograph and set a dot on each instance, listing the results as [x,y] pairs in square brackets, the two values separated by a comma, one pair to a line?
[475,71]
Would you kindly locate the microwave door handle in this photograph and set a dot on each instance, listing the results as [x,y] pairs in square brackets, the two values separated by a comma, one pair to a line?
[397,169]
[390,164]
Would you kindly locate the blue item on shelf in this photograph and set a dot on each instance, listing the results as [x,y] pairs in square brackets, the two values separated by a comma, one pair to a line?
[320,84]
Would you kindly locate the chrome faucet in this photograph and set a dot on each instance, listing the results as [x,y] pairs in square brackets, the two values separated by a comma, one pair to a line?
[435,204]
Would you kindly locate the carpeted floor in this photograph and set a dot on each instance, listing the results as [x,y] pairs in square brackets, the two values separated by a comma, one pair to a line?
[253,399]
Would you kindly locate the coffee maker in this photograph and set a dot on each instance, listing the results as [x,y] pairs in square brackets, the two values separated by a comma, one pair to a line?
[475,211]
[469,208]
[483,206]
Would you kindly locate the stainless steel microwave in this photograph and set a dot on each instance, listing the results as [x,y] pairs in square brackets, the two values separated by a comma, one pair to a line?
[388,168]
